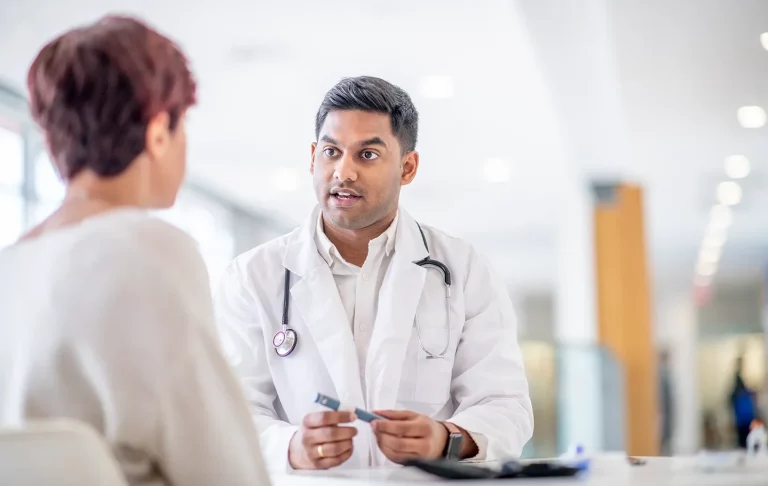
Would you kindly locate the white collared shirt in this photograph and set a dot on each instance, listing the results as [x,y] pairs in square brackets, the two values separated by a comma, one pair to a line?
[359,286]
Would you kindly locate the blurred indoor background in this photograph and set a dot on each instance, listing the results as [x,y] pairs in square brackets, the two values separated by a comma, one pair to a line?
[608,156]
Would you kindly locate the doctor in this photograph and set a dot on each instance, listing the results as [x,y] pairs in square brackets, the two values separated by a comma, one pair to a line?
[366,316]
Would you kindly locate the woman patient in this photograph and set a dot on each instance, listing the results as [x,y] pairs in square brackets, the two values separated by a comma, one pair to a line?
[105,311]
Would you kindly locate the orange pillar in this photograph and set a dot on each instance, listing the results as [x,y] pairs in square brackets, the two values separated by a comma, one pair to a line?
[623,307]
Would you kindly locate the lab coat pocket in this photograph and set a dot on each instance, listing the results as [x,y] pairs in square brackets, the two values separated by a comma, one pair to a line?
[433,373]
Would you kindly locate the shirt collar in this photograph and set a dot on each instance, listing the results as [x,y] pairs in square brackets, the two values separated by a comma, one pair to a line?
[330,254]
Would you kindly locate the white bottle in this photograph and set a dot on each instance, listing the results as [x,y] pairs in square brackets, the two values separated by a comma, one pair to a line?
[757,441]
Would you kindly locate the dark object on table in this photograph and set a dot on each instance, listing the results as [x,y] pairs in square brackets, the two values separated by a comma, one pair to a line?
[512,469]
[636,461]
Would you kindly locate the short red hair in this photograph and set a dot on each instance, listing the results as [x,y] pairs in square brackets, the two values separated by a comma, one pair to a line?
[93,91]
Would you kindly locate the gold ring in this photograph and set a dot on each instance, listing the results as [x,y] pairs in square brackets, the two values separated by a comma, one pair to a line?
[320,451]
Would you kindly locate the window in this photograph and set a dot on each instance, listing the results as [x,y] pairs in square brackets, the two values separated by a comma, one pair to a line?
[11,185]
[11,159]
[48,188]
[12,218]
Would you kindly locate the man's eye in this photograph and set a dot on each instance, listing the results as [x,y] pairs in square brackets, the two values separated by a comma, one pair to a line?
[368,155]
[329,152]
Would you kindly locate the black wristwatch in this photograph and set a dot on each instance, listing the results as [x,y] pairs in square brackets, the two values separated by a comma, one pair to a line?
[452,450]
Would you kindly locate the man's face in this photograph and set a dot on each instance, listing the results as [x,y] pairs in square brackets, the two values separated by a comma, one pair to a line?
[358,168]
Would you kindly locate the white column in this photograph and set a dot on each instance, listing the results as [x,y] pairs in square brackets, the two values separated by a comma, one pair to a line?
[676,330]
[579,376]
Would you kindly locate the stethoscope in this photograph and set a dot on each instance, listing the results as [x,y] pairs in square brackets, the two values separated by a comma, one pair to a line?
[285,339]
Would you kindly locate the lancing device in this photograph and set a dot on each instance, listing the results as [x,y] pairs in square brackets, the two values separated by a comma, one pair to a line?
[334,404]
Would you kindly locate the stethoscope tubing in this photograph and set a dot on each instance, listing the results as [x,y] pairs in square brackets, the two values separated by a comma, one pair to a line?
[283,350]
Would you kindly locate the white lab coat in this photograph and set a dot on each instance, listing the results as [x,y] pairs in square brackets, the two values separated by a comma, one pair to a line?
[480,385]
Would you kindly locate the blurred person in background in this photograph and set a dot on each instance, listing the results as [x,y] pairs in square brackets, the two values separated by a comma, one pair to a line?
[341,306]
[106,311]
[743,404]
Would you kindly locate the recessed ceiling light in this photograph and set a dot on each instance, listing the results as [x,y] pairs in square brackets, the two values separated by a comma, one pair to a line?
[497,170]
[729,193]
[751,116]
[706,269]
[722,217]
[437,87]
[764,40]
[285,179]
[737,166]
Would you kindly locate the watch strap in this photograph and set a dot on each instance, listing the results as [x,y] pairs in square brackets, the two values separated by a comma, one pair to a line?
[453,444]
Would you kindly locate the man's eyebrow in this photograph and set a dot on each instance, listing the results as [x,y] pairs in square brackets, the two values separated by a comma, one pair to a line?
[374,141]
[327,139]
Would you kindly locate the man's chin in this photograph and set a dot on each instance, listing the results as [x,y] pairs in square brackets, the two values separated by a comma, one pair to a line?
[340,218]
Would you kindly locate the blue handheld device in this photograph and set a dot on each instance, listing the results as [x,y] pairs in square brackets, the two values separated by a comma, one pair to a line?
[334,404]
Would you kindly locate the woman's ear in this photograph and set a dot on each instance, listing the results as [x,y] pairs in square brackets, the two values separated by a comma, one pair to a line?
[158,136]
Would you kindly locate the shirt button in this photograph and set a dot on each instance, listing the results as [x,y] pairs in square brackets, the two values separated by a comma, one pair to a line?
[362,327]
[365,276]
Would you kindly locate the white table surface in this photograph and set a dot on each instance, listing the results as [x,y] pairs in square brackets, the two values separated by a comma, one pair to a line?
[656,472]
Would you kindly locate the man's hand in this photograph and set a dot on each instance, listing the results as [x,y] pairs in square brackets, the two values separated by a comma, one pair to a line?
[409,435]
[322,442]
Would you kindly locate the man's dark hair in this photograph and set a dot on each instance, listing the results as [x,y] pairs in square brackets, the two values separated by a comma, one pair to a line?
[367,93]
[94,90]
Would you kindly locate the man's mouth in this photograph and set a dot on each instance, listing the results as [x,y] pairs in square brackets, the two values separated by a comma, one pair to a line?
[344,199]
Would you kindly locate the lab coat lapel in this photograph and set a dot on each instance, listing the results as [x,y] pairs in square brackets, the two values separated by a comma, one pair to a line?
[398,300]
[316,298]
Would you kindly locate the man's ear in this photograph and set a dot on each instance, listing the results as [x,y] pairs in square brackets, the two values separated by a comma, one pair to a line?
[312,158]
[410,165]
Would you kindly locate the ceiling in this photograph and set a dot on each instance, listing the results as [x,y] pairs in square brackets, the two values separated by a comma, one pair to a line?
[641,90]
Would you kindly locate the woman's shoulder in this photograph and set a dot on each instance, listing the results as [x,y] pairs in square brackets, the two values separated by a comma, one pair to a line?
[153,231]
[127,249]
[118,237]
[138,235]
[126,279]
[146,268]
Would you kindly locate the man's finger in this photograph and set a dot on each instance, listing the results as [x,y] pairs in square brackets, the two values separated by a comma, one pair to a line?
[328,434]
[330,462]
[330,450]
[403,445]
[396,456]
[324,419]
[402,428]
[397,414]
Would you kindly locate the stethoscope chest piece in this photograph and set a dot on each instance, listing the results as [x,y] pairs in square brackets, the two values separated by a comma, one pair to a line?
[284,342]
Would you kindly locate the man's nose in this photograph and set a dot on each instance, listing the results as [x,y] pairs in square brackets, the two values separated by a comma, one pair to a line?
[346,169]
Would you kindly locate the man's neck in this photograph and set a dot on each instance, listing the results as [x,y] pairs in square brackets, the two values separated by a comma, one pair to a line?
[353,244]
